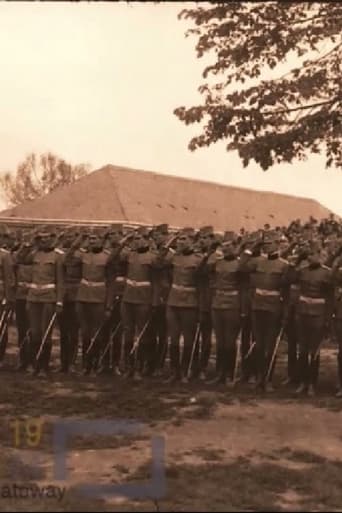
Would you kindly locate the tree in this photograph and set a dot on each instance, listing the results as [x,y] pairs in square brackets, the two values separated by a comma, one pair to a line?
[269,120]
[37,176]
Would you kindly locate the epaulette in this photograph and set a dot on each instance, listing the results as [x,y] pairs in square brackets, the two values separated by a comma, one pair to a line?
[284,260]
[107,251]
[83,250]
[59,251]
[4,250]
[172,251]
[326,267]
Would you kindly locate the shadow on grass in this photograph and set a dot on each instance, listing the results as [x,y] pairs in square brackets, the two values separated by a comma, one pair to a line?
[245,486]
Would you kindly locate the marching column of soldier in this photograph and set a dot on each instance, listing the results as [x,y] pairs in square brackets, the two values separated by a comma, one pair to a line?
[129,298]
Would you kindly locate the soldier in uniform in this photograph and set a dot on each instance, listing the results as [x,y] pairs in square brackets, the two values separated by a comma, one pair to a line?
[161,288]
[250,243]
[336,262]
[182,303]
[67,319]
[224,275]
[269,279]
[314,311]
[201,358]
[94,295]
[296,261]
[45,296]
[137,306]
[7,290]
[23,278]
[113,331]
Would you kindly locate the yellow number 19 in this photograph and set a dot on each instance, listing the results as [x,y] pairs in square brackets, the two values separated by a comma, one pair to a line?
[33,431]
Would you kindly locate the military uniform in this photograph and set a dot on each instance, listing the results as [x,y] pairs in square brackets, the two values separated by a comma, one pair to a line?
[248,353]
[68,319]
[7,296]
[269,275]
[161,287]
[137,304]
[182,305]
[45,293]
[224,274]
[337,311]
[113,331]
[23,278]
[314,310]
[94,296]
[202,353]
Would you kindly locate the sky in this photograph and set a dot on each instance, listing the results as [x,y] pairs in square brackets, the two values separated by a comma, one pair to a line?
[98,82]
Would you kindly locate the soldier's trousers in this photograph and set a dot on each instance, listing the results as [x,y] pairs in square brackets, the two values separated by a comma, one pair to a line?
[158,337]
[69,329]
[4,338]
[181,321]
[266,328]
[40,315]
[90,317]
[338,333]
[112,339]
[310,331]
[292,347]
[226,326]
[248,364]
[135,318]
[24,337]
[202,351]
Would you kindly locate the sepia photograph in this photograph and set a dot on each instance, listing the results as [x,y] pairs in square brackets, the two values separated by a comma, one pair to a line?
[171,256]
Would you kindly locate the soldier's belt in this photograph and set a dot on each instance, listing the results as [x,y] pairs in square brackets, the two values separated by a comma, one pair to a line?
[24,284]
[120,279]
[265,292]
[182,287]
[38,286]
[312,300]
[92,283]
[221,292]
[135,283]
[294,286]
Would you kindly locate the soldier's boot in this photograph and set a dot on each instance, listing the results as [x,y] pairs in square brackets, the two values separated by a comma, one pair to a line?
[339,368]
[218,380]
[173,378]
[311,391]
[269,388]
[302,389]
[314,370]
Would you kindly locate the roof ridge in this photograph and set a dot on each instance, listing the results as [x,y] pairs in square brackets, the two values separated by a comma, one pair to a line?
[206,182]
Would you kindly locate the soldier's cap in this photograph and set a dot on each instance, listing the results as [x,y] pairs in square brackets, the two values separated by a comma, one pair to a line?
[142,231]
[115,229]
[71,230]
[229,236]
[206,230]
[218,238]
[271,236]
[94,231]
[46,231]
[187,232]
[253,237]
[4,230]
[163,229]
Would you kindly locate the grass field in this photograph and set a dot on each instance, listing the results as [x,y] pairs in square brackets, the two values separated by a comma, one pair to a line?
[224,450]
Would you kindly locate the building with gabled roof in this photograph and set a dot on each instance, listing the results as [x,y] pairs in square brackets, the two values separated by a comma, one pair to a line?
[131,196]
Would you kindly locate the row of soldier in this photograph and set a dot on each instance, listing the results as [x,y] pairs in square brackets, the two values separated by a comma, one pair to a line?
[130,298]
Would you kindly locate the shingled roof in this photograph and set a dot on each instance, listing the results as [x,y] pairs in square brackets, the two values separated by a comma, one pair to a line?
[132,196]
